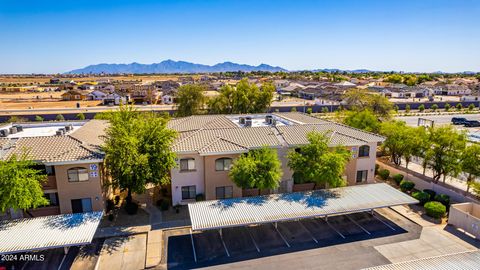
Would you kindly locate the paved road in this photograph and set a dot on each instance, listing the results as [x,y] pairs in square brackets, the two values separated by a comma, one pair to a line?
[438,119]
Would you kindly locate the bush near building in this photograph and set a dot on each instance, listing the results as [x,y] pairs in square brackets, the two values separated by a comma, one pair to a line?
[384,174]
[431,193]
[406,186]
[435,209]
[443,199]
[421,196]
[398,178]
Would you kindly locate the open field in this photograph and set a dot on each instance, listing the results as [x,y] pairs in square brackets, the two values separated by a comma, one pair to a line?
[46,104]
[30,96]
[46,79]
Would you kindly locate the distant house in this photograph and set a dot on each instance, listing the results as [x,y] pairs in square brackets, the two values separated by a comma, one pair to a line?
[74,95]
[97,95]
[345,84]
[115,99]
[167,99]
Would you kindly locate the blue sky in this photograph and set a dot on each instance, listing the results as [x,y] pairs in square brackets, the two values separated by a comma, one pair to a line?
[424,35]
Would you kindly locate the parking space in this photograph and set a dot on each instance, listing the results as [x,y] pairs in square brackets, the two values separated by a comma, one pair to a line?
[248,242]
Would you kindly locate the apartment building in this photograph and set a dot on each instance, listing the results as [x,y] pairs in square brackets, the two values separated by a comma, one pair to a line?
[69,153]
[208,145]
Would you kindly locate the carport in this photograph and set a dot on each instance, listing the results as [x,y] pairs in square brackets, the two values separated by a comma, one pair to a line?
[49,232]
[275,208]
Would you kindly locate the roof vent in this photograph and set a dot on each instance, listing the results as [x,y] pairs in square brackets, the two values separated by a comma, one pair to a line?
[13,130]
[59,133]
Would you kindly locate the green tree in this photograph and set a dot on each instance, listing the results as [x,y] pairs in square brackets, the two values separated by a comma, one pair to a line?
[245,97]
[365,120]
[318,163]
[259,168]
[80,116]
[471,163]
[407,108]
[59,117]
[324,110]
[447,107]
[190,99]
[398,140]
[394,78]
[421,108]
[20,184]
[294,109]
[459,106]
[471,107]
[17,119]
[434,107]
[38,118]
[446,148]
[138,149]
[360,99]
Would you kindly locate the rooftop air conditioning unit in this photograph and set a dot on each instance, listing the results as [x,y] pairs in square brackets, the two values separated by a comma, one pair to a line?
[19,128]
[4,132]
[268,119]
[241,120]
[13,130]
[274,122]
[59,132]
[248,122]
[68,128]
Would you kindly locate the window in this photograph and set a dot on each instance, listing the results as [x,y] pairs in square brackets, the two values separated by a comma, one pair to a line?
[224,192]
[187,164]
[364,151]
[77,174]
[81,205]
[52,198]
[223,164]
[362,176]
[188,192]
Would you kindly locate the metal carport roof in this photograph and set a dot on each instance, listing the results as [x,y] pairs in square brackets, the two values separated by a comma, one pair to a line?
[217,214]
[469,260]
[29,234]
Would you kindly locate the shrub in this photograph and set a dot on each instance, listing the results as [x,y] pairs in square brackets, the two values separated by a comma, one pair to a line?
[377,167]
[80,116]
[110,205]
[38,118]
[199,197]
[131,208]
[406,185]
[421,196]
[471,107]
[164,205]
[459,106]
[309,110]
[111,217]
[421,108]
[434,107]
[59,117]
[447,107]
[407,108]
[398,178]
[431,193]
[325,110]
[435,209]
[294,109]
[443,199]
[384,173]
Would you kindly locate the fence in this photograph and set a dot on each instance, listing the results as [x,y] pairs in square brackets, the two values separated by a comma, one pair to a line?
[466,216]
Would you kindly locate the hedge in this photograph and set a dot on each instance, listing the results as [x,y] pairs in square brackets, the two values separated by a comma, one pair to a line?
[383,173]
[406,185]
[398,178]
[421,196]
[443,199]
[435,209]
[431,193]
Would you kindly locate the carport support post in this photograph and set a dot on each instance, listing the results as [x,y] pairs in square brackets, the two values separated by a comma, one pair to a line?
[65,250]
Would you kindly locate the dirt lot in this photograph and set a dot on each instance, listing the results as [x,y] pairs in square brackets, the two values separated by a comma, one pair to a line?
[46,79]
[46,104]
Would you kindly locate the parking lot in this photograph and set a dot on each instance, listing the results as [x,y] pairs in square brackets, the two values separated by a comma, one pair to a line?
[245,243]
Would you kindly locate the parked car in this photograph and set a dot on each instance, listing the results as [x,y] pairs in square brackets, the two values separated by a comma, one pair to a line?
[472,123]
[458,120]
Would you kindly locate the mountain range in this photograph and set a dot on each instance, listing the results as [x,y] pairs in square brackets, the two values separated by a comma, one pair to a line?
[170,66]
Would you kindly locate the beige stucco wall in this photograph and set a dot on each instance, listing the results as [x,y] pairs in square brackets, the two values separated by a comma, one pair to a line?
[189,178]
[68,191]
[465,216]
[214,179]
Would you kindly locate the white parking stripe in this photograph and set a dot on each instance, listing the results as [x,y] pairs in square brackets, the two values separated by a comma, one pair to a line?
[253,240]
[356,223]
